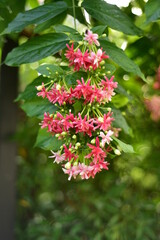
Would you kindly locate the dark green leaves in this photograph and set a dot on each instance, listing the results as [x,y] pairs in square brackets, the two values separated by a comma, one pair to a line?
[111,15]
[49,70]
[120,121]
[37,48]
[33,105]
[125,147]
[37,106]
[119,57]
[36,16]
[46,141]
[152,10]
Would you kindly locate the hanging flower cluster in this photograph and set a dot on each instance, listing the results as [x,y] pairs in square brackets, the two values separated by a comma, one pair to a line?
[87,134]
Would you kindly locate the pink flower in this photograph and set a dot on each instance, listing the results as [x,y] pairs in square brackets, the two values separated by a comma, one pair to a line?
[70,53]
[82,89]
[91,37]
[83,125]
[58,157]
[97,153]
[84,170]
[108,83]
[81,60]
[105,122]
[96,58]
[106,138]
[153,105]
[42,92]
[68,154]
[72,172]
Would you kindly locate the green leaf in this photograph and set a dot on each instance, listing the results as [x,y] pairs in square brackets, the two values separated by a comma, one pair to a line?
[120,121]
[31,91]
[99,29]
[152,10]
[49,70]
[46,141]
[125,147]
[63,28]
[109,68]
[49,23]
[111,15]
[37,48]
[37,106]
[78,10]
[119,100]
[77,107]
[119,57]
[71,79]
[35,16]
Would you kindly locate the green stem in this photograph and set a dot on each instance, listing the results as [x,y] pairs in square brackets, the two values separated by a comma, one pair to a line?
[74,14]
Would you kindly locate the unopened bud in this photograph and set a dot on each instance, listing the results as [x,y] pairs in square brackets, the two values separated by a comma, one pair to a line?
[57,135]
[102,63]
[64,103]
[56,73]
[103,67]
[78,144]
[109,109]
[100,119]
[75,163]
[80,43]
[104,35]
[68,165]
[58,87]
[74,136]
[117,152]
[39,88]
[63,133]
[93,141]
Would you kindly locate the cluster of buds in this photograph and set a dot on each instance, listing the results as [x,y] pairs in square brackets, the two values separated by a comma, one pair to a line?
[87,134]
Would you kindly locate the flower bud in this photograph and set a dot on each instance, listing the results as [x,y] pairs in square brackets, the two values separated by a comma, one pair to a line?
[117,152]
[80,43]
[100,119]
[39,88]
[74,136]
[68,165]
[109,109]
[104,35]
[75,163]
[63,134]
[57,135]
[78,144]
[58,87]
[103,67]
[93,141]
[102,63]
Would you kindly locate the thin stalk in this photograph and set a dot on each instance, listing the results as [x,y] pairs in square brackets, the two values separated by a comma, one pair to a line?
[74,14]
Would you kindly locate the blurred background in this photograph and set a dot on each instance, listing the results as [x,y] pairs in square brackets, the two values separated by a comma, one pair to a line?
[37,201]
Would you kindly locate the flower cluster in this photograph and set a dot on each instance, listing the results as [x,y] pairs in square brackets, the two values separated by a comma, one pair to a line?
[83,120]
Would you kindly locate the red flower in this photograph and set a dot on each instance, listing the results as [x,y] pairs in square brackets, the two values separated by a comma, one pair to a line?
[97,153]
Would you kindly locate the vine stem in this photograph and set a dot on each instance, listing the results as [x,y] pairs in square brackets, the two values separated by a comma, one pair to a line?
[74,14]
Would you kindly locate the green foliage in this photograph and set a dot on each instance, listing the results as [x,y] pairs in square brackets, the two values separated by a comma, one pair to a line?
[119,57]
[152,11]
[37,48]
[35,16]
[46,141]
[111,15]
[125,147]
[124,202]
